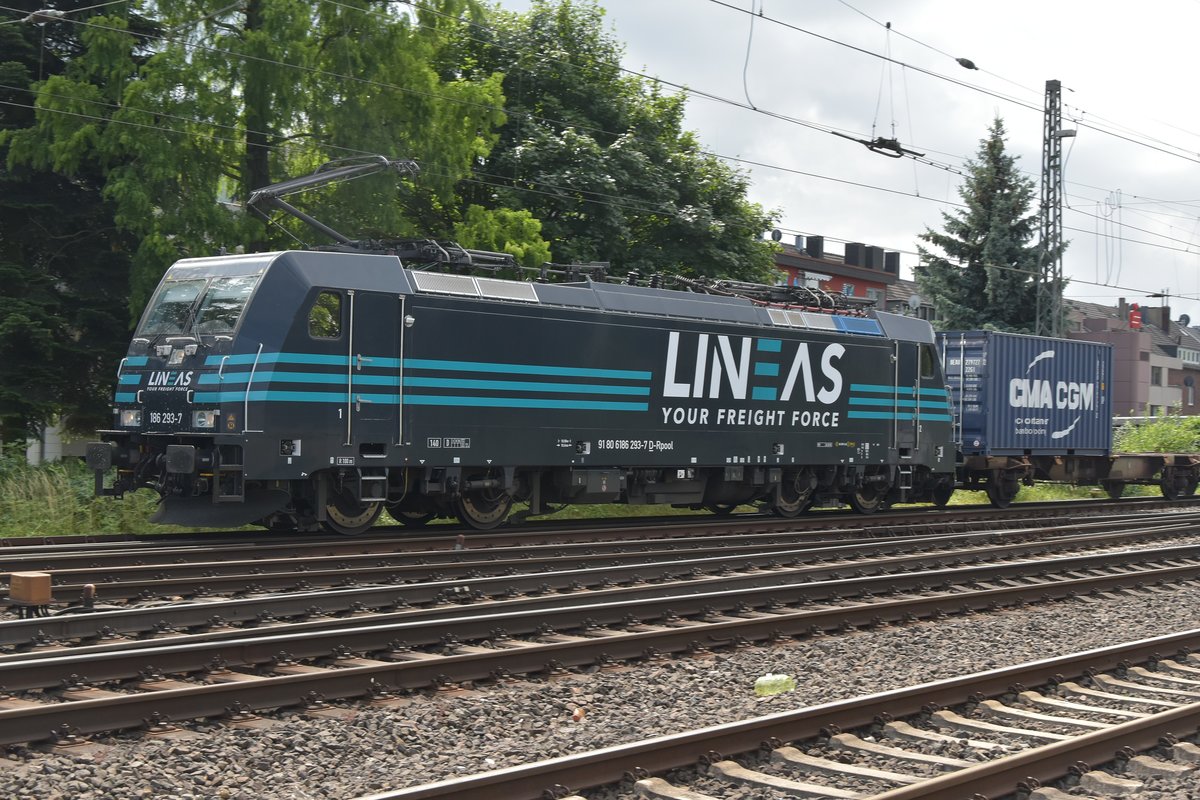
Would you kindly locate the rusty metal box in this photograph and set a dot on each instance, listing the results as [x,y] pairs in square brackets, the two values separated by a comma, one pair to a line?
[29,587]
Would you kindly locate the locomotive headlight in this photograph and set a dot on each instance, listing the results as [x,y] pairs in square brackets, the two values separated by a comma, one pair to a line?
[204,419]
[131,417]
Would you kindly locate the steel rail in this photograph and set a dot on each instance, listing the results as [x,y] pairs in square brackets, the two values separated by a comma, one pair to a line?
[548,530]
[658,755]
[201,614]
[119,574]
[1050,762]
[523,571]
[91,716]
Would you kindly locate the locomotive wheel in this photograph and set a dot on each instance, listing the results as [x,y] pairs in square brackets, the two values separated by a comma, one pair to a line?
[349,517]
[795,495]
[1113,488]
[483,509]
[867,499]
[941,494]
[412,518]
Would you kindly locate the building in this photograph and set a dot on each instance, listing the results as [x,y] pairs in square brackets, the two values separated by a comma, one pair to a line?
[1156,360]
[861,271]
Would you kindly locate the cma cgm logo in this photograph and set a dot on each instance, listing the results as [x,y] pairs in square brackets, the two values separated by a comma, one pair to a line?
[1036,393]
[704,365]
[172,378]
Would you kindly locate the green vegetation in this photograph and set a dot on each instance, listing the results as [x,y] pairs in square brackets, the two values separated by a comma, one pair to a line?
[1169,434]
[986,277]
[58,499]
[133,133]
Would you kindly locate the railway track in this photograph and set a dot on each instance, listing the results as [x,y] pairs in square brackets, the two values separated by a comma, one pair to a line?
[104,681]
[549,529]
[129,576]
[1129,701]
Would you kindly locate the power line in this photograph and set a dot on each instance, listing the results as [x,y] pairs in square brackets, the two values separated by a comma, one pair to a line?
[1184,153]
[571,189]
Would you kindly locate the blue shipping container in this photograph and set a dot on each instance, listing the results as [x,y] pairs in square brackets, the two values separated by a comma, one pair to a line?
[1014,394]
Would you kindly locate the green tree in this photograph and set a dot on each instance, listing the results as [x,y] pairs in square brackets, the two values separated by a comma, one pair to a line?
[236,96]
[64,266]
[601,157]
[985,275]
[503,231]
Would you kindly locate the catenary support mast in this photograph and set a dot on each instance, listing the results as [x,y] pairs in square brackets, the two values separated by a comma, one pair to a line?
[1050,278]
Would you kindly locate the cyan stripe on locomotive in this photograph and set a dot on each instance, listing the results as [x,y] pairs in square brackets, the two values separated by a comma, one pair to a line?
[598,377]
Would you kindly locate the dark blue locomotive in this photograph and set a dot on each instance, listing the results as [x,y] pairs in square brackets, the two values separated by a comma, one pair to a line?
[304,388]
[301,387]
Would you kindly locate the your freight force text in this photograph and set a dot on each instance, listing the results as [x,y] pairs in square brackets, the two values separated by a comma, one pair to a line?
[758,417]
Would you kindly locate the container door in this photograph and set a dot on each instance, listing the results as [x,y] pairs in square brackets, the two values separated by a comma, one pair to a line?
[373,373]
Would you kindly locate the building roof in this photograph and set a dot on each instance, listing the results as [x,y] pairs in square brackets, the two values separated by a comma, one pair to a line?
[830,263]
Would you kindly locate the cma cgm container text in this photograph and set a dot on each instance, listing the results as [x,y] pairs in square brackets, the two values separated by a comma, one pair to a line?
[1014,394]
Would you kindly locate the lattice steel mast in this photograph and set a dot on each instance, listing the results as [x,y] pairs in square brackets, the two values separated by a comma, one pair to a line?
[1050,279]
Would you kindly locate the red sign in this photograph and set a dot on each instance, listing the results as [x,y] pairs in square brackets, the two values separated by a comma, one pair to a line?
[1135,316]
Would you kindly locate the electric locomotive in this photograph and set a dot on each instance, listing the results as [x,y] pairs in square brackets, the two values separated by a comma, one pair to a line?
[313,388]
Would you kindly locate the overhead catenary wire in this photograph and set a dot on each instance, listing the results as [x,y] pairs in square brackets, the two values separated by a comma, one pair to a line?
[717,155]
[1176,151]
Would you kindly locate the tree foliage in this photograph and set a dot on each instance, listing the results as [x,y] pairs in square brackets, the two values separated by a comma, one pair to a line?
[985,274]
[146,126]
[64,265]
[601,157]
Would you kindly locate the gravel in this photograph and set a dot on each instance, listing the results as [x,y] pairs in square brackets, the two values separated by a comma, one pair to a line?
[373,748]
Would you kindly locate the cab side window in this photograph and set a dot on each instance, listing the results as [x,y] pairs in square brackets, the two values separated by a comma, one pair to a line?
[325,316]
[928,359]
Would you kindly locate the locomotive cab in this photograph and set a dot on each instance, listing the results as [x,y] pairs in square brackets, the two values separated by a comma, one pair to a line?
[170,434]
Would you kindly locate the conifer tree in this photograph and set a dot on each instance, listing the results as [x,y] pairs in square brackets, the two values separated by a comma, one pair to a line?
[985,275]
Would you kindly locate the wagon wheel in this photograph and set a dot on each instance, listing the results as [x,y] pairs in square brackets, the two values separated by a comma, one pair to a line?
[1001,489]
[941,494]
[1169,489]
[348,516]
[483,509]
[1113,488]
[1176,483]
[721,509]
[795,494]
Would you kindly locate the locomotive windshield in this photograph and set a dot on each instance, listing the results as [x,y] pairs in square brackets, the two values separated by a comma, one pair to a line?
[223,303]
[202,305]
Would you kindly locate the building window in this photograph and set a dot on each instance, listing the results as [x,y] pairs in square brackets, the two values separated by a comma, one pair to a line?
[872,294]
[1156,376]
[848,289]
[1190,393]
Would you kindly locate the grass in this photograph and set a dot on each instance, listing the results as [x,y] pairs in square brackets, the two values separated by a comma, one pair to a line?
[58,499]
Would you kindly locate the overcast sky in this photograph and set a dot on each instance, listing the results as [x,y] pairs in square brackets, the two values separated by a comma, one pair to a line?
[1124,67]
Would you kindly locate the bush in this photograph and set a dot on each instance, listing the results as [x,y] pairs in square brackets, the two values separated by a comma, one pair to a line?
[58,500]
[1170,434]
